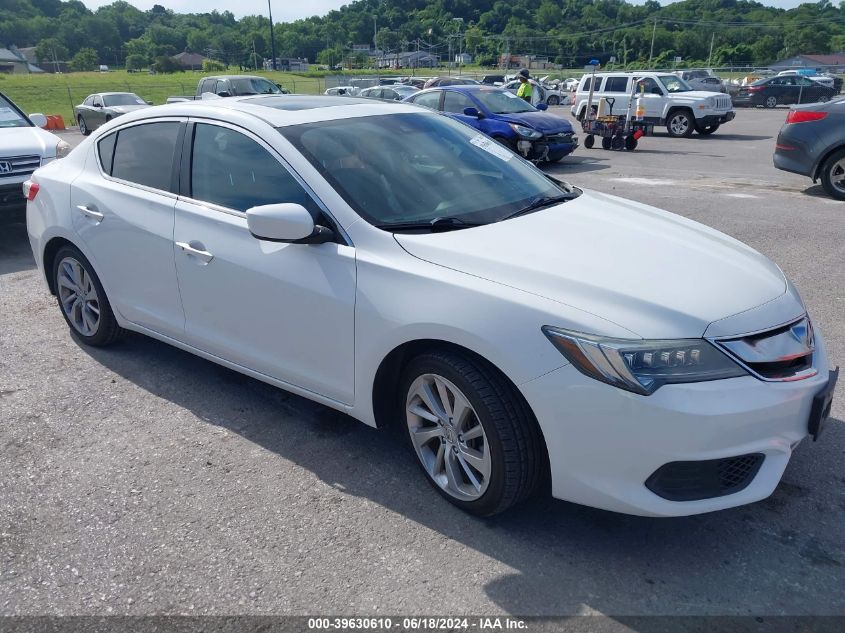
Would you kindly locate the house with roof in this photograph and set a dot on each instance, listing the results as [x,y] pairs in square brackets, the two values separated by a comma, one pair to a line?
[825,63]
[189,61]
[13,62]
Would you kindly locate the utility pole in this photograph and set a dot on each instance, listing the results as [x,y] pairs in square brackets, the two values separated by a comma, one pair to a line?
[710,56]
[651,54]
[254,55]
[272,39]
[375,44]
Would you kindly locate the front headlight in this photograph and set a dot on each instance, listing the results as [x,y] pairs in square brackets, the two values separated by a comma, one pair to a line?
[62,149]
[640,365]
[525,132]
[711,102]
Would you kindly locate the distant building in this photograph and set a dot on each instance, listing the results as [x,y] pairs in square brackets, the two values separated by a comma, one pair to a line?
[13,62]
[463,59]
[189,61]
[525,61]
[287,63]
[408,59]
[828,63]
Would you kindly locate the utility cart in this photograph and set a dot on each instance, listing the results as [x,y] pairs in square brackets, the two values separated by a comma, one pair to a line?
[617,131]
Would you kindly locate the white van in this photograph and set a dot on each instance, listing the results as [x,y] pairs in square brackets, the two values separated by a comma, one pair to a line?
[668,100]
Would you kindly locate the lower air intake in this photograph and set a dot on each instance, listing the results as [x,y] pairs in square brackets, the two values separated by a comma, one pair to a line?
[691,481]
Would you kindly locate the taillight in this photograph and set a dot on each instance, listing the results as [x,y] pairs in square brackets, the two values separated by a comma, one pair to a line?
[30,190]
[802,116]
[755,88]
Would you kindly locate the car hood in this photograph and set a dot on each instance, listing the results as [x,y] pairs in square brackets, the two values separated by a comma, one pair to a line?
[696,94]
[23,141]
[654,273]
[540,121]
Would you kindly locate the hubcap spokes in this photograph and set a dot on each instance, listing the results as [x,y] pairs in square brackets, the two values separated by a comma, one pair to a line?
[448,437]
[680,125]
[78,297]
[837,175]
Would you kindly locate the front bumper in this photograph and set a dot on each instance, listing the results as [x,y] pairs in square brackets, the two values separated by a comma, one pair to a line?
[604,443]
[12,201]
[714,119]
[549,148]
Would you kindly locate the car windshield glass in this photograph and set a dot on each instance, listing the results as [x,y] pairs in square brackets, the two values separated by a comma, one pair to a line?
[9,115]
[441,169]
[674,84]
[503,102]
[254,86]
[123,100]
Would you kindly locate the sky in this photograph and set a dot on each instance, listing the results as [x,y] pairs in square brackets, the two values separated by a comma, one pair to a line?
[286,10]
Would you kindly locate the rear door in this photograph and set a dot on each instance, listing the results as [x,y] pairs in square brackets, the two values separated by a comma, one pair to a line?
[616,93]
[283,310]
[123,212]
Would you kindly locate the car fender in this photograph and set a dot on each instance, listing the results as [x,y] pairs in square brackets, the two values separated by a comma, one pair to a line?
[824,155]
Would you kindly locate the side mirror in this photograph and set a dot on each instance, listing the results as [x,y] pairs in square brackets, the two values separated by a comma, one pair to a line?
[473,112]
[286,222]
[98,105]
[542,106]
[223,93]
[38,120]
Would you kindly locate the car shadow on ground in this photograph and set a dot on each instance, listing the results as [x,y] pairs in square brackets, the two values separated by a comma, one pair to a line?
[577,164]
[818,191]
[15,252]
[563,556]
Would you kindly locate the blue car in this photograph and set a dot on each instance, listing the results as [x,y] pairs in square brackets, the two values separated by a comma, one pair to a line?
[533,132]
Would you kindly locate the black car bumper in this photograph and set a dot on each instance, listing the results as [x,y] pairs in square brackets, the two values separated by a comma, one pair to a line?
[715,119]
[12,201]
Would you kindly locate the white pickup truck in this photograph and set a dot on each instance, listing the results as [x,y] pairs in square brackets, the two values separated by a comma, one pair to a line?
[667,98]
[24,147]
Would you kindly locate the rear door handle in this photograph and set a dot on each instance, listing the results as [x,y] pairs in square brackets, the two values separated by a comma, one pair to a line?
[195,249]
[91,213]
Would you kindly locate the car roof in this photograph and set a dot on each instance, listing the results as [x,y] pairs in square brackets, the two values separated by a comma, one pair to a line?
[279,110]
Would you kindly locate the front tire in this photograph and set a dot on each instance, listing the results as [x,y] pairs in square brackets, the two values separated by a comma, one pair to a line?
[706,130]
[82,299]
[681,124]
[553,100]
[833,175]
[771,102]
[472,433]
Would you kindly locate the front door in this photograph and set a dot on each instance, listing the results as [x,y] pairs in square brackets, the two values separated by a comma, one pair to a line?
[283,310]
[125,219]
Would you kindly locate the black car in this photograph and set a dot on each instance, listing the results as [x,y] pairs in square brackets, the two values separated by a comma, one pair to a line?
[783,90]
[812,143]
[493,80]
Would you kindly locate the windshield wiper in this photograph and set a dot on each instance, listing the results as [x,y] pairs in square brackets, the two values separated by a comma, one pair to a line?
[437,225]
[539,203]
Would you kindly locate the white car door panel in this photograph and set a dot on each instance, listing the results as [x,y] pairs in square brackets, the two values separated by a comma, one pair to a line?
[128,229]
[284,310]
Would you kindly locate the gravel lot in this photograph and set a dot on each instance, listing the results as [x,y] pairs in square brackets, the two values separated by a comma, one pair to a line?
[140,479]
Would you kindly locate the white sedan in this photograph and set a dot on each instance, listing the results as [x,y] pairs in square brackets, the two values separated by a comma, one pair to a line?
[518,329]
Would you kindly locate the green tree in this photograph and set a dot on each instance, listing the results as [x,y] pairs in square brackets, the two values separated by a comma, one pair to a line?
[135,62]
[50,50]
[164,64]
[84,60]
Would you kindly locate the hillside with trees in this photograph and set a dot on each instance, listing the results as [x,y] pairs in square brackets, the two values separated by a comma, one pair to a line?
[740,32]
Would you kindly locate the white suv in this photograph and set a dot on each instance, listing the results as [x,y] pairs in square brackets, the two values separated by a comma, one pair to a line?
[669,101]
[24,147]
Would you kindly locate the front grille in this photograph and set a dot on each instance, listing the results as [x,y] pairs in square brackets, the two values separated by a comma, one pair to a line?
[560,138]
[18,165]
[723,102]
[692,481]
[785,353]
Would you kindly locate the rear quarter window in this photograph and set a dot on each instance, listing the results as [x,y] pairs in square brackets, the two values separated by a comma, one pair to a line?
[588,82]
[105,149]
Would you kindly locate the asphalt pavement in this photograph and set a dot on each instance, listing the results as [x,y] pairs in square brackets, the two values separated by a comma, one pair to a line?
[139,479]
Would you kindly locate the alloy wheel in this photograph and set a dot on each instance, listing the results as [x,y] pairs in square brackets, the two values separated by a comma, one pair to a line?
[78,296]
[837,176]
[448,437]
[83,129]
[680,124]
[771,102]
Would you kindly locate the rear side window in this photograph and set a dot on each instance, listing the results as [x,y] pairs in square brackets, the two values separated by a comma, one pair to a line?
[106,149]
[144,153]
[428,100]
[231,170]
[616,84]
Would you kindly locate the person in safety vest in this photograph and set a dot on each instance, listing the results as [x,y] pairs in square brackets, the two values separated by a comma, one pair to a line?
[526,90]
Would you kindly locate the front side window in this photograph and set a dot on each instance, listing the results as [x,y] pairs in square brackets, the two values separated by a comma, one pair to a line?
[231,170]
[441,169]
[456,102]
[143,154]
[10,116]
[648,86]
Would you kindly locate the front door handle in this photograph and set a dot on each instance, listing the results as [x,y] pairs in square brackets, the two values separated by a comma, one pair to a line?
[91,213]
[195,249]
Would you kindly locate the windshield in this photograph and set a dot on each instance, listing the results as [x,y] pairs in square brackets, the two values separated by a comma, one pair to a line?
[254,86]
[441,169]
[124,99]
[9,115]
[503,102]
[674,84]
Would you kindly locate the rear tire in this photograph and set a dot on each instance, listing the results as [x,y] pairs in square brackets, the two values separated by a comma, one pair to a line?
[833,175]
[83,127]
[589,141]
[553,100]
[496,432]
[605,142]
[82,299]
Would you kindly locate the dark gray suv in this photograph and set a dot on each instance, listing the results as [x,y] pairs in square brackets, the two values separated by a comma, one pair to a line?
[812,143]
